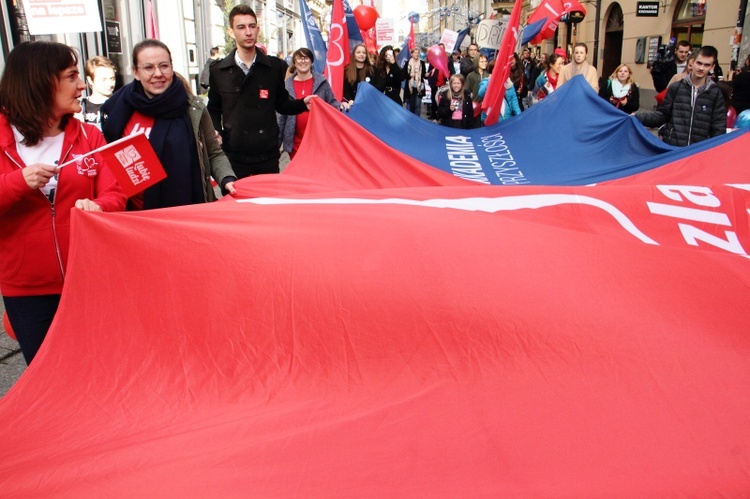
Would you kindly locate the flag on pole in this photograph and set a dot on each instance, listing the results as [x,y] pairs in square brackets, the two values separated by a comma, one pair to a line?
[338,50]
[542,23]
[412,43]
[131,160]
[355,37]
[493,99]
[313,37]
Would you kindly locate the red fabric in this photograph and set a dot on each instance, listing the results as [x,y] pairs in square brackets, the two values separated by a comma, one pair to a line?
[380,335]
[33,241]
[660,96]
[338,50]
[412,42]
[552,10]
[301,89]
[494,98]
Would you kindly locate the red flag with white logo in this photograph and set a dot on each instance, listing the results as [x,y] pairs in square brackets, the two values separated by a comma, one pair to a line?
[338,50]
[131,160]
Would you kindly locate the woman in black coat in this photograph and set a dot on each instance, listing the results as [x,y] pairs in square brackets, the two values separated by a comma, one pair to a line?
[621,91]
[388,76]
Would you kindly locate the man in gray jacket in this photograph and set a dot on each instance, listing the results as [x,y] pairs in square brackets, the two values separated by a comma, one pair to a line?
[693,109]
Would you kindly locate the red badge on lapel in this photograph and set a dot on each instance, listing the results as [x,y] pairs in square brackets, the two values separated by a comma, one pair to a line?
[263,94]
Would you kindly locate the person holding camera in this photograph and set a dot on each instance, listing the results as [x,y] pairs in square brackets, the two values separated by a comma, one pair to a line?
[669,64]
[455,105]
[388,75]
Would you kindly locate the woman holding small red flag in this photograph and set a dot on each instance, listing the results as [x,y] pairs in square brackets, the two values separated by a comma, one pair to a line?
[40,91]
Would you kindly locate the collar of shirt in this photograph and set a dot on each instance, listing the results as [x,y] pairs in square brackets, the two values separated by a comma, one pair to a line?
[244,67]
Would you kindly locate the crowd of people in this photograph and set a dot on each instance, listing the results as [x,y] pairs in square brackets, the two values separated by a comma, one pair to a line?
[256,108]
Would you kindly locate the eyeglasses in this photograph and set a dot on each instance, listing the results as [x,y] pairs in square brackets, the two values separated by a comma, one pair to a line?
[302,58]
[165,68]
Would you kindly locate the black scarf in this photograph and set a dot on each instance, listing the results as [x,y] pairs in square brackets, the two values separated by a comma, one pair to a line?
[171,137]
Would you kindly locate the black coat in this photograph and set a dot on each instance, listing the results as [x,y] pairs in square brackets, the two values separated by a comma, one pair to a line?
[243,107]
[687,123]
[390,83]
[633,97]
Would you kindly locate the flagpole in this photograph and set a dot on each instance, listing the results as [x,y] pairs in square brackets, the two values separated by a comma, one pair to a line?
[596,31]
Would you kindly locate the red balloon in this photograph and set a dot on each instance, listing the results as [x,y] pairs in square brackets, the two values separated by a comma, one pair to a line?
[477,107]
[8,328]
[437,58]
[365,15]
[731,117]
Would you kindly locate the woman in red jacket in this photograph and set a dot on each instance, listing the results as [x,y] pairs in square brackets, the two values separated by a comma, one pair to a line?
[40,92]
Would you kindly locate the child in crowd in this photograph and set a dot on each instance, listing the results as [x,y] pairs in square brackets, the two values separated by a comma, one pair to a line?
[455,104]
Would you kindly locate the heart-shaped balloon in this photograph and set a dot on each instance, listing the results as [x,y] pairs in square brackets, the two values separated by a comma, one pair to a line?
[437,58]
[365,15]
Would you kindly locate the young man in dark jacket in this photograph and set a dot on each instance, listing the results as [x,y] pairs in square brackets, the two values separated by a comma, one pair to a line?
[246,89]
[693,109]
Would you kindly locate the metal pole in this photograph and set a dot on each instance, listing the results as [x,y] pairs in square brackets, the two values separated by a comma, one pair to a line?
[596,30]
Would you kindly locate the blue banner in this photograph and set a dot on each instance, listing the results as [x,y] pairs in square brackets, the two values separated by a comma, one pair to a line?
[355,36]
[572,137]
[313,37]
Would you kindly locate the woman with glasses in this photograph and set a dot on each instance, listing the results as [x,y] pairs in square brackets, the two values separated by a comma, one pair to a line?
[178,127]
[304,81]
[40,91]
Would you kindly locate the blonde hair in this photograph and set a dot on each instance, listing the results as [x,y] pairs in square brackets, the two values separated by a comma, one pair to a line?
[613,76]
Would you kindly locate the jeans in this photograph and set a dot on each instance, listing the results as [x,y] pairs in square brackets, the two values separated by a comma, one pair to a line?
[415,103]
[30,317]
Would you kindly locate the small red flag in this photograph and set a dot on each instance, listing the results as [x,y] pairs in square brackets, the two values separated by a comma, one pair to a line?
[132,161]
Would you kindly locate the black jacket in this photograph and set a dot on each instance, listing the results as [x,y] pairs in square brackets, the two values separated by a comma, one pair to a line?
[687,123]
[243,108]
[633,98]
[390,82]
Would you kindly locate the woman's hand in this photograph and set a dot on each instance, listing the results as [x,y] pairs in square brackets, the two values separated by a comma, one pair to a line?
[38,175]
[229,186]
[345,106]
[87,205]
[307,100]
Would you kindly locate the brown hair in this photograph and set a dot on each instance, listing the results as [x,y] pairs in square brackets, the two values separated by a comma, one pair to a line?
[98,62]
[382,63]
[28,86]
[241,10]
[145,44]
[613,76]
[351,68]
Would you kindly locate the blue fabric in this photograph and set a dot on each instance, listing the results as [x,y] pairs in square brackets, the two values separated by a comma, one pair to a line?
[313,37]
[531,30]
[572,137]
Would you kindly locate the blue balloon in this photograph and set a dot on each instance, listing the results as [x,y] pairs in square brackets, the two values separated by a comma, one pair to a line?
[743,120]
[413,17]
